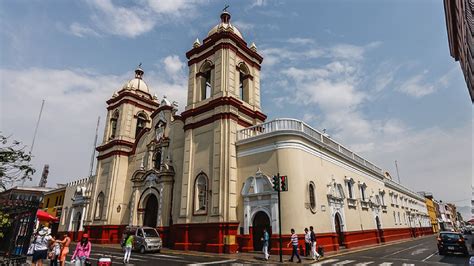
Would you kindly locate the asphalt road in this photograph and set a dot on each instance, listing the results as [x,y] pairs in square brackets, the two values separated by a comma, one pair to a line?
[422,251]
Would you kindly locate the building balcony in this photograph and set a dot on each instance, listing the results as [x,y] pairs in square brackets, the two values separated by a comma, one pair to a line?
[351,202]
[297,127]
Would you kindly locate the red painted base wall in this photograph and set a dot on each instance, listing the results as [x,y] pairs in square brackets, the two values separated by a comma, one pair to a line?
[223,238]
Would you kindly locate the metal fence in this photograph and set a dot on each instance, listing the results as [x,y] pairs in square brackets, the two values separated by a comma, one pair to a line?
[17,233]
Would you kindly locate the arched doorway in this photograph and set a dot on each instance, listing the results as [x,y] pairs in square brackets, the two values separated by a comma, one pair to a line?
[260,221]
[379,230]
[339,232]
[151,211]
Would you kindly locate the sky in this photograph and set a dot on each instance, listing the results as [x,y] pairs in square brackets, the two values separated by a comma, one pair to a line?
[377,75]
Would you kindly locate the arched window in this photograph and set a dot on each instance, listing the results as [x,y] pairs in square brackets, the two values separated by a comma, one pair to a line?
[200,194]
[99,206]
[141,123]
[158,159]
[244,76]
[312,197]
[206,80]
[113,125]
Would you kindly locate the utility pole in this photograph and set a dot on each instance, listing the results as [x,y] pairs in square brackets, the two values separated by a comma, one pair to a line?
[398,175]
[36,128]
[93,149]
[279,219]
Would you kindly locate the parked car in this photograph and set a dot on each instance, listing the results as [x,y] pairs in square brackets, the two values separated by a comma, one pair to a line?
[451,242]
[145,239]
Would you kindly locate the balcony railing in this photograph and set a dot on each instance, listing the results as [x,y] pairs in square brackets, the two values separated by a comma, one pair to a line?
[293,125]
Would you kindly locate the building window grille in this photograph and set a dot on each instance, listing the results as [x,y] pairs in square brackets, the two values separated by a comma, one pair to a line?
[200,194]
[312,197]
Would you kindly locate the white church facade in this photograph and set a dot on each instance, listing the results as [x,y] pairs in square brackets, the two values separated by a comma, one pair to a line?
[203,177]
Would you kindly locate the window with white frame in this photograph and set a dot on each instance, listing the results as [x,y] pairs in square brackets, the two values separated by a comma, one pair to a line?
[394,218]
[99,206]
[350,188]
[200,194]
[312,196]
[363,195]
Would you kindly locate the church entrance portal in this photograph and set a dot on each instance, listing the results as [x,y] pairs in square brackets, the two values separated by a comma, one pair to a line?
[339,232]
[260,221]
[151,211]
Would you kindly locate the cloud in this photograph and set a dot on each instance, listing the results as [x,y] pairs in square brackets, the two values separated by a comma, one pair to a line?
[135,19]
[243,26]
[302,41]
[416,87]
[258,3]
[173,65]
[74,100]
[82,31]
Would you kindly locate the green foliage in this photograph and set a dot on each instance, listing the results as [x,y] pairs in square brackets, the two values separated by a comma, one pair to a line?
[14,162]
[4,222]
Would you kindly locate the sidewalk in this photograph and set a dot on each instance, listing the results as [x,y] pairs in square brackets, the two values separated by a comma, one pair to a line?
[257,257]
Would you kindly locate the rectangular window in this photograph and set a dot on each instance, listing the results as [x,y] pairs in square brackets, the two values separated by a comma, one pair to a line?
[349,189]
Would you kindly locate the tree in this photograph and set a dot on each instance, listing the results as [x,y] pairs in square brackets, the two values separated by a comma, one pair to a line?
[14,162]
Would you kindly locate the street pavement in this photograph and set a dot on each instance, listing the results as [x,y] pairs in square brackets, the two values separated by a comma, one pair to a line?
[420,251]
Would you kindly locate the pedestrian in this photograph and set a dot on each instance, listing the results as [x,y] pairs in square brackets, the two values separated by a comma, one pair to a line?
[82,252]
[265,239]
[128,247]
[64,248]
[55,252]
[41,243]
[315,255]
[307,242]
[294,243]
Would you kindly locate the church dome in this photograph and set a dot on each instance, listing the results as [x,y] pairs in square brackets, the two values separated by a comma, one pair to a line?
[137,83]
[225,25]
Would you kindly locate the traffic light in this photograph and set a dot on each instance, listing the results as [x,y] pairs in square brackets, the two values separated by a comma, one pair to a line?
[284,185]
[276,183]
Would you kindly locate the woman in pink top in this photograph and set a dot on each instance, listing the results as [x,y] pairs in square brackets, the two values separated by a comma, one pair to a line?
[82,252]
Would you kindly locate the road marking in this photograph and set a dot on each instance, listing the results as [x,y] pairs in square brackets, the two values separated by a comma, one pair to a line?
[400,251]
[408,264]
[364,263]
[324,262]
[344,262]
[165,256]
[436,252]
[212,262]
[419,251]
[385,264]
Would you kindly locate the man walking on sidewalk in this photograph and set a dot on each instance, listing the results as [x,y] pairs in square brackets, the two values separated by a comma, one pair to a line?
[266,239]
[307,242]
[314,254]
[294,243]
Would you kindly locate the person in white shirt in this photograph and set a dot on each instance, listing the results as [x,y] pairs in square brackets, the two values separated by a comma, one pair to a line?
[41,243]
[307,242]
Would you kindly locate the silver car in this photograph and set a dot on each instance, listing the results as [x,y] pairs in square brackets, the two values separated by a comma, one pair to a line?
[145,239]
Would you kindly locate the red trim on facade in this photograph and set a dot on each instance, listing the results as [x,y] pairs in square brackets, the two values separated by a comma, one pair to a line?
[123,93]
[115,142]
[119,142]
[226,100]
[105,234]
[208,237]
[215,118]
[112,153]
[211,40]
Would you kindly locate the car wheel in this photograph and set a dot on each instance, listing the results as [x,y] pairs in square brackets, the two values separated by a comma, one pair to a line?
[441,252]
[159,251]
[142,250]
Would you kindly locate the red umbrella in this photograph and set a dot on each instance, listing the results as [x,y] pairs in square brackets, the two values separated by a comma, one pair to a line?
[44,216]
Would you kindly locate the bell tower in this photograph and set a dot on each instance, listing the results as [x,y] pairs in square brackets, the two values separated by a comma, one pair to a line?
[223,97]
[128,118]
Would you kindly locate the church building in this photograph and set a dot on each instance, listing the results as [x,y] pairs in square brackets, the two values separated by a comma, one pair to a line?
[203,177]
